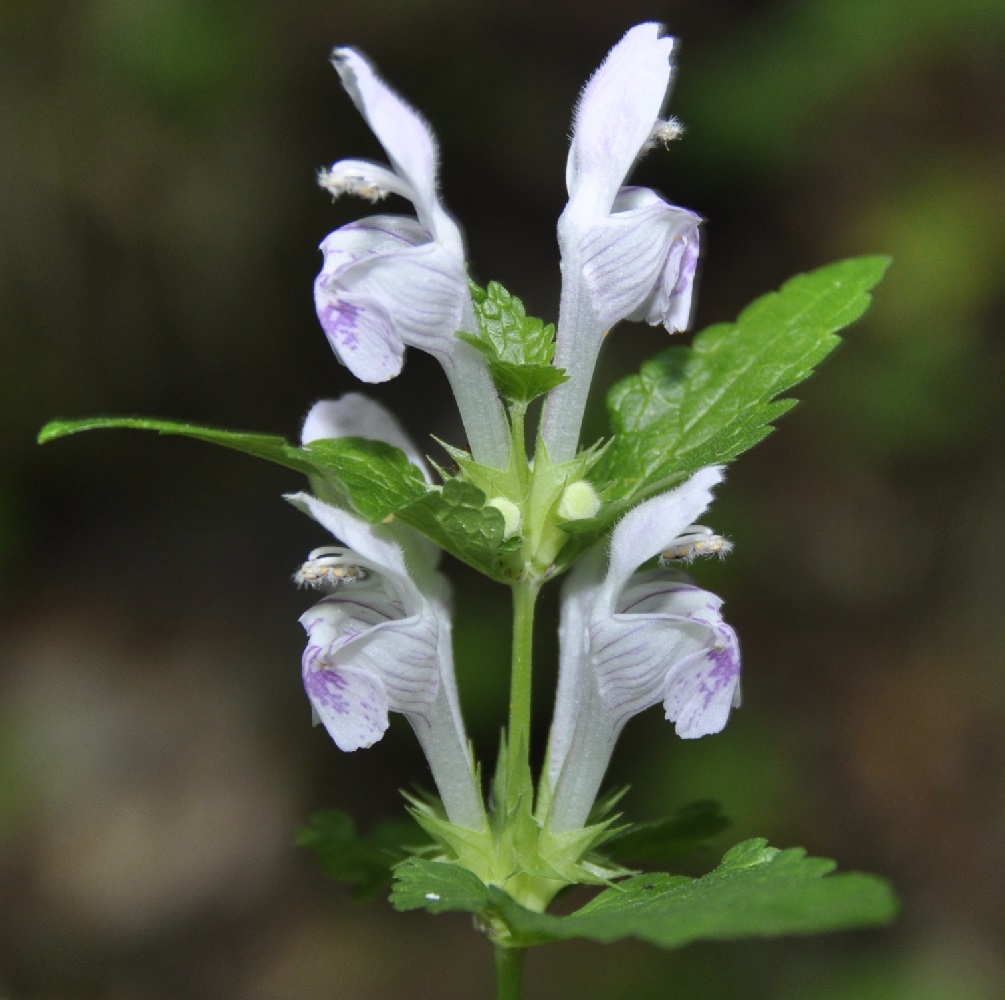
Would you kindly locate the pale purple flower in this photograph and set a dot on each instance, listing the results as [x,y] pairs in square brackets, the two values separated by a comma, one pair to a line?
[391,281]
[380,641]
[632,639]
[626,253]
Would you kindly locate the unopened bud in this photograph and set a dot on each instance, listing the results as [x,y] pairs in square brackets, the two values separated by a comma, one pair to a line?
[512,518]
[579,500]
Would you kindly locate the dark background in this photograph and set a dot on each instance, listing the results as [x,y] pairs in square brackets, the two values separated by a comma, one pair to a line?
[159,221]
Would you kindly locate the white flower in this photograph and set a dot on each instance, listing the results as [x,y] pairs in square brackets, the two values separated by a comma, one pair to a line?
[380,642]
[630,640]
[391,281]
[626,253]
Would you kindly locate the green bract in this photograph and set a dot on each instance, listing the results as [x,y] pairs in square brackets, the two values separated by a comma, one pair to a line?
[519,348]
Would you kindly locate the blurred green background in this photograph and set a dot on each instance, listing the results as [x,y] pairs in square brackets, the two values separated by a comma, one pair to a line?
[159,224]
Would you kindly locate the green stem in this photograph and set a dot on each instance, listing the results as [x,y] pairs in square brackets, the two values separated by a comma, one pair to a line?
[518,437]
[518,783]
[509,973]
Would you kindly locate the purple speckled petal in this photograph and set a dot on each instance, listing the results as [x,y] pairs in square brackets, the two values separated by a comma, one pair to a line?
[350,703]
[631,655]
[365,628]
[359,327]
[384,285]
[424,290]
[671,303]
[362,335]
[676,232]
[701,689]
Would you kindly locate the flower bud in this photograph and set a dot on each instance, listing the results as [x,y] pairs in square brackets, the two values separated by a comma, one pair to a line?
[579,500]
[512,518]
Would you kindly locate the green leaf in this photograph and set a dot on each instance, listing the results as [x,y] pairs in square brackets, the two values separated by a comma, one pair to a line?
[757,891]
[456,518]
[378,477]
[669,839]
[363,862]
[523,383]
[270,447]
[375,478]
[519,348]
[507,330]
[437,886]
[692,407]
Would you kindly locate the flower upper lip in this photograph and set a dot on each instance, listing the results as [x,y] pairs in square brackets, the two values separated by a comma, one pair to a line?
[406,137]
[615,117]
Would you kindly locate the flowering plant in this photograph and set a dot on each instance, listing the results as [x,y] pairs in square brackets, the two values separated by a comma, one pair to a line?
[620,515]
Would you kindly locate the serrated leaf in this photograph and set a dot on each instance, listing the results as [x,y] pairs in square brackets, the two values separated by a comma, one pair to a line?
[378,477]
[366,863]
[757,891]
[669,839]
[692,407]
[508,331]
[524,383]
[437,886]
[519,348]
[458,520]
